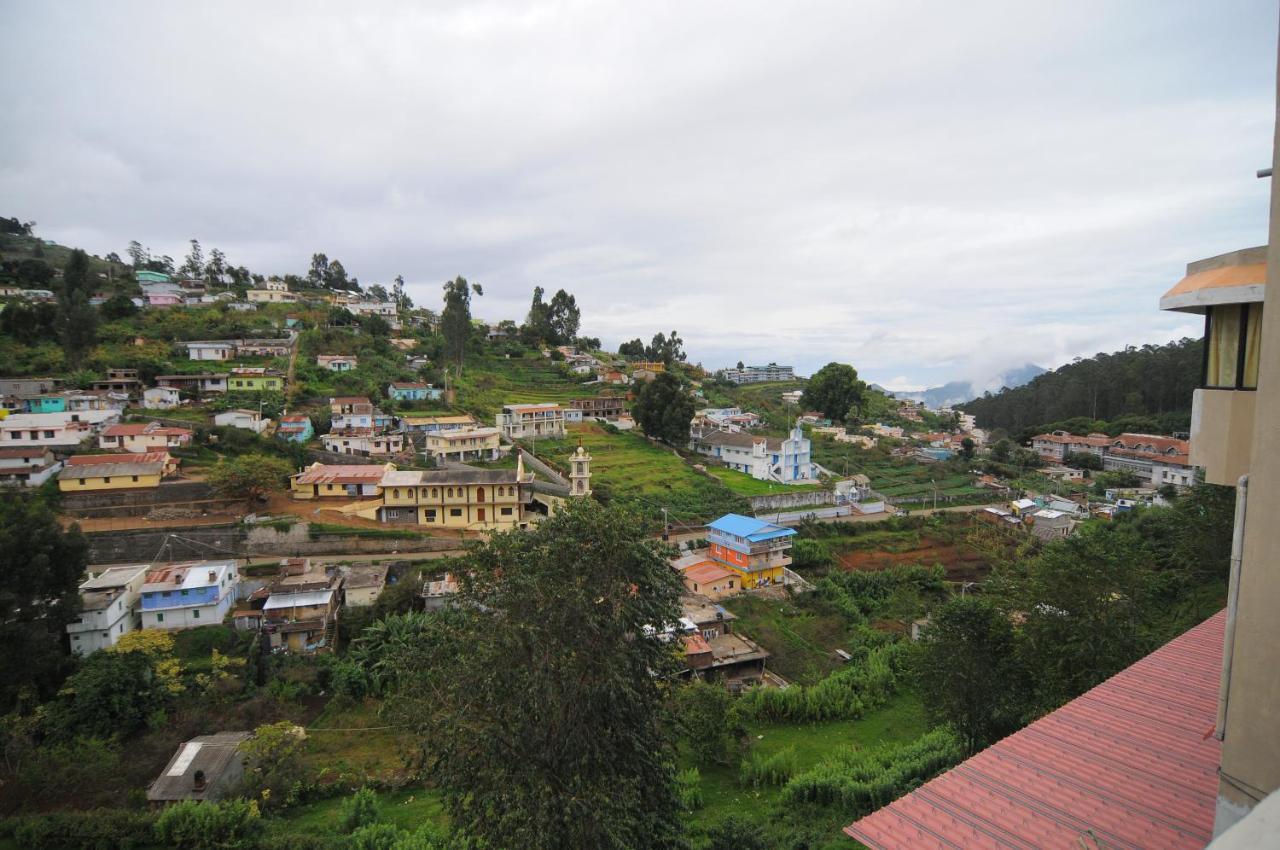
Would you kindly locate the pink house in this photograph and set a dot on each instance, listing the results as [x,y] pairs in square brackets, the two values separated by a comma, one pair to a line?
[163,299]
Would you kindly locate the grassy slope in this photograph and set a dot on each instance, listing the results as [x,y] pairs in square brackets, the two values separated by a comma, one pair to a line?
[800,634]
[634,471]
[745,485]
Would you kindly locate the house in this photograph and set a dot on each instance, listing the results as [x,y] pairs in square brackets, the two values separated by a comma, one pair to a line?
[208,767]
[813,417]
[121,381]
[255,380]
[79,400]
[572,416]
[413,391]
[183,596]
[894,431]
[764,458]
[437,424]
[300,613]
[322,480]
[1159,460]
[140,437]
[653,366]
[217,350]
[792,396]
[478,499]
[599,407]
[611,376]
[264,347]
[161,398]
[22,387]
[363,584]
[198,385]
[45,404]
[758,374]
[531,421]
[641,374]
[347,412]
[711,579]
[249,420]
[1023,508]
[1056,446]
[83,473]
[29,466]
[757,551]
[704,616]
[1049,524]
[146,276]
[296,428]
[57,430]
[403,343]
[363,441]
[463,444]
[270,296]
[337,362]
[109,604]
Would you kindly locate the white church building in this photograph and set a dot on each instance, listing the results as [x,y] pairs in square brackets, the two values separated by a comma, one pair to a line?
[766,458]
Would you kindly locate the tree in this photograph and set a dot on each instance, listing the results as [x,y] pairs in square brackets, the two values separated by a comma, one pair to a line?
[216,269]
[335,277]
[193,266]
[40,571]
[833,391]
[1001,451]
[703,711]
[1082,460]
[403,301]
[35,274]
[667,349]
[118,306]
[112,694]
[79,326]
[564,317]
[75,277]
[319,272]
[634,348]
[249,477]
[137,255]
[379,292]
[539,704]
[537,324]
[967,448]
[967,670]
[455,320]
[664,410]
[737,833]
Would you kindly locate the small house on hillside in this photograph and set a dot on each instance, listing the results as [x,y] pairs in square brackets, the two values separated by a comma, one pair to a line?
[249,420]
[413,391]
[337,362]
[208,767]
[161,398]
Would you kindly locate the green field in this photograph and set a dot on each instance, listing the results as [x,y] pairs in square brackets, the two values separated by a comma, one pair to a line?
[801,633]
[488,383]
[628,468]
[744,485]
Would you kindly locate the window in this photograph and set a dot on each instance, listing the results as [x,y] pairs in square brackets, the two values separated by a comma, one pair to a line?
[186,593]
[506,511]
[480,514]
[429,516]
[135,478]
[106,480]
[81,482]
[1233,339]
[195,614]
[395,494]
[48,435]
[159,618]
[455,511]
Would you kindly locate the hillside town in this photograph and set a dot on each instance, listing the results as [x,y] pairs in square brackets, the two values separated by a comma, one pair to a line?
[779,476]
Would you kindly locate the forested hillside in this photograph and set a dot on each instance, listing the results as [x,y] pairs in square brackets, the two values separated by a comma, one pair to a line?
[1146,381]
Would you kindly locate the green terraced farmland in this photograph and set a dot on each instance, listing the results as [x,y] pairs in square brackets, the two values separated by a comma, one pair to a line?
[744,485]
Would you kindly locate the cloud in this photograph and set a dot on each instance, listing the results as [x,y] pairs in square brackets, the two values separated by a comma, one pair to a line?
[926,191]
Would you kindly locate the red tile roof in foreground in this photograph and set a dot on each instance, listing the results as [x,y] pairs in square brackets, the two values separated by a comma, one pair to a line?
[1133,760]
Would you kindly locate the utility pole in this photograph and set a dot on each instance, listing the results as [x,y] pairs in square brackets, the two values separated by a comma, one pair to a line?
[666,527]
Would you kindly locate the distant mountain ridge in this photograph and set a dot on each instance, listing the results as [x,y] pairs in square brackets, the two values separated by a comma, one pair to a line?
[958,392]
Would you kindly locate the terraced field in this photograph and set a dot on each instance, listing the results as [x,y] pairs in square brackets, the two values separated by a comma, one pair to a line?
[486,385]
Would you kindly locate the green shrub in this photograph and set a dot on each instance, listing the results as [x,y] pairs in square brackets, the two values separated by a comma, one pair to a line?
[760,770]
[689,789]
[208,826]
[98,829]
[844,695]
[375,836]
[360,811]
[861,781]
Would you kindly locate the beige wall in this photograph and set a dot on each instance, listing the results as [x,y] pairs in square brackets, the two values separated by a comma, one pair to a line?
[1251,741]
[1222,433]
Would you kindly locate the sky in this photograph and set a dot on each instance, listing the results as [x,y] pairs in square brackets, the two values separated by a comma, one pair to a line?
[928,191]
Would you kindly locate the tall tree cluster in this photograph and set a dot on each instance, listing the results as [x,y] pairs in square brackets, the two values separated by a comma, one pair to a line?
[79,319]
[1151,380]
[664,409]
[662,348]
[455,319]
[553,322]
[834,391]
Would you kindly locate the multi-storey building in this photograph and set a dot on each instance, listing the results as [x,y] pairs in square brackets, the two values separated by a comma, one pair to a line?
[352,411]
[758,552]
[27,467]
[1059,444]
[463,444]
[476,499]
[109,603]
[765,458]
[56,430]
[437,424]
[363,441]
[183,596]
[759,374]
[599,407]
[413,391]
[531,421]
[255,380]
[195,385]
[323,480]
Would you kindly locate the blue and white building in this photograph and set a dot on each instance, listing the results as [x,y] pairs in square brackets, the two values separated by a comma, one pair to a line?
[786,461]
[413,391]
[183,596]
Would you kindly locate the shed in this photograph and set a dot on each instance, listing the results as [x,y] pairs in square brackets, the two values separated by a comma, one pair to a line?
[207,767]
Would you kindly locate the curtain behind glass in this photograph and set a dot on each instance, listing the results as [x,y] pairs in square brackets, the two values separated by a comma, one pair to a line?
[1252,346]
[1224,346]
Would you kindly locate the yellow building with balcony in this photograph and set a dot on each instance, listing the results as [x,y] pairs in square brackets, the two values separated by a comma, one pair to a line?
[255,381]
[1228,291]
[474,499]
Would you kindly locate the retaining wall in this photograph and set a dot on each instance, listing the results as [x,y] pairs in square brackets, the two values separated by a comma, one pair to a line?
[799,499]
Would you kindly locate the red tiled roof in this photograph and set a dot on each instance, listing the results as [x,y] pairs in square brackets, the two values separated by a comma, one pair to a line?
[707,571]
[33,451]
[1133,760]
[134,457]
[135,429]
[1163,445]
[320,473]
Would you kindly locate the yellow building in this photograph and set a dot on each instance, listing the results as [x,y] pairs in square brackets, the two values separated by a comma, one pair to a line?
[477,499]
[340,481]
[463,445]
[255,381]
[98,473]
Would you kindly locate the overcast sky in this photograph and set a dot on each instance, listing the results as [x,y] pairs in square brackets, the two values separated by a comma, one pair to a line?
[925,190]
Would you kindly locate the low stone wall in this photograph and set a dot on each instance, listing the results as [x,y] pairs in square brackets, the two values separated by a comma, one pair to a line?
[168,493]
[798,499]
[338,458]
[246,541]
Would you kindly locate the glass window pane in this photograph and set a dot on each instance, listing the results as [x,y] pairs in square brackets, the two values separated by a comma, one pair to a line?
[1252,346]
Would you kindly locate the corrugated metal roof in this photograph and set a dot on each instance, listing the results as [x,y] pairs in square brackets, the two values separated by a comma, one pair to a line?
[748,527]
[1132,761]
[298,600]
[110,470]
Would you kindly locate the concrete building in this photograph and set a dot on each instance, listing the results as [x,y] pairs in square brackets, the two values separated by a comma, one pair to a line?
[248,420]
[1056,446]
[437,424]
[757,551]
[759,374]
[476,499]
[90,473]
[337,362]
[161,398]
[300,613]
[195,385]
[413,391]
[363,584]
[463,444]
[364,442]
[216,350]
[599,407]
[31,466]
[355,481]
[786,461]
[56,430]
[352,411]
[183,596]
[296,428]
[109,608]
[531,421]
[143,437]
[580,473]
[208,767]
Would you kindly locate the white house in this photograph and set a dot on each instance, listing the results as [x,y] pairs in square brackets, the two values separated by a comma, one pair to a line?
[363,443]
[54,429]
[183,596]
[765,458]
[215,350]
[249,420]
[29,467]
[161,398]
[531,421]
[337,362]
[109,608]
